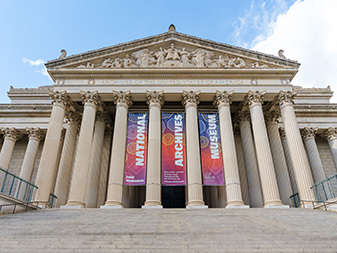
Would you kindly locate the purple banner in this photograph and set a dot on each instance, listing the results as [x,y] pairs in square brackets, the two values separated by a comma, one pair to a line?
[173,149]
[136,149]
[211,155]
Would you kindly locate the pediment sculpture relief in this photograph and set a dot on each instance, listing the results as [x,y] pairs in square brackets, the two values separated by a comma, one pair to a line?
[174,57]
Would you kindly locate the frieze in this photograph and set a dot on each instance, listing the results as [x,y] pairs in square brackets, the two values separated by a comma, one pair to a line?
[173,57]
[175,82]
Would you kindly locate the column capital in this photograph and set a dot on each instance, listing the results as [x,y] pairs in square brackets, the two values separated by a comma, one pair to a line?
[60,98]
[254,98]
[241,117]
[329,134]
[272,116]
[63,134]
[308,133]
[35,132]
[91,97]
[122,98]
[102,117]
[284,98]
[155,97]
[11,132]
[223,98]
[190,97]
[282,133]
[108,131]
[236,131]
[73,118]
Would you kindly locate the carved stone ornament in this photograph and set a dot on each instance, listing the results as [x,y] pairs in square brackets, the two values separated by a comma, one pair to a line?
[236,131]
[11,132]
[282,133]
[173,56]
[308,133]
[122,97]
[63,134]
[191,97]
[108,131]
[102,117]
[35,132]
[60,98]
[241,117]
[284,97]
[223,97]
[254,97]
[329,134]
[155,97]
[73,117]
[91,97]
[272,116]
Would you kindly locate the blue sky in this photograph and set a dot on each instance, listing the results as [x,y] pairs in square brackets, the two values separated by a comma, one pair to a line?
[33,32]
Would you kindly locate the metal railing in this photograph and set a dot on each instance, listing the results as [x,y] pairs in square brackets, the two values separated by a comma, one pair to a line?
[16,187]
[319,204]
[325,190]
[295,200]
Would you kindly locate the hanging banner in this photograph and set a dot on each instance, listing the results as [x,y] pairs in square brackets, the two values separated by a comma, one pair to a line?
[173,149]
[136,149]
[210,145]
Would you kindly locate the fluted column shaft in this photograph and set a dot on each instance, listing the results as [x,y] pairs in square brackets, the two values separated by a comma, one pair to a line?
[58,159]
[11,136]
[297,152]
[231,170]
[82,159]
[288,160]
[263,153]
[103,177]
[281,169]
[241,165]
[195,194]
[252,170]
[153,186]
[34,135]
[67,156]
[95,161]
[117,161]
[308,135]
[48,158]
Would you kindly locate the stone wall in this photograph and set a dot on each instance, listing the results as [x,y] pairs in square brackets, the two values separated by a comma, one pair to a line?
[326,156]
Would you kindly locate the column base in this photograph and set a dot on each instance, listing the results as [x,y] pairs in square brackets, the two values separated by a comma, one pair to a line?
[152,203]
[197,207]
[71,207]
[237,206]
[75,203]
[111,207]
[152,207]
[276,206]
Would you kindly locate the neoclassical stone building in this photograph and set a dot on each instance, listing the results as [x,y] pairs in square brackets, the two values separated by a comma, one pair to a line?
[170,120]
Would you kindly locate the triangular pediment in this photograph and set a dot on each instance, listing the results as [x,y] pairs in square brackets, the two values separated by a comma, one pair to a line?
[172,50]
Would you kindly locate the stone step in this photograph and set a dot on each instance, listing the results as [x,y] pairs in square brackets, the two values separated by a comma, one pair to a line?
[169,230]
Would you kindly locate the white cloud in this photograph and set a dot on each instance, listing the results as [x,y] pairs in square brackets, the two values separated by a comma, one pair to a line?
[307,33]
[43,71]
[33,63]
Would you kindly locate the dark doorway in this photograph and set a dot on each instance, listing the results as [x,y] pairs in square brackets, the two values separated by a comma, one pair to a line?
[173,196]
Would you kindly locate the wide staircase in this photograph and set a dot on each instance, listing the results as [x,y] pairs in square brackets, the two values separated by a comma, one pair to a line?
[169,230]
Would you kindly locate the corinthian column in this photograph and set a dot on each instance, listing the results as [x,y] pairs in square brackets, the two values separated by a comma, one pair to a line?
[35,135]
[296,148]
[288,159]
[264,158]
[331,136]
[103,177]
[153,186]
[48,159]
[282,175]
[115,188]
[252,169]
[230,163]
[241,165]
[95,160]
[11,136]
[195,197]
[78,186]
[63,176]
[308,135]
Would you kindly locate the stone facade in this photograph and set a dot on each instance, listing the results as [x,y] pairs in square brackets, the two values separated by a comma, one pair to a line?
[77,157]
